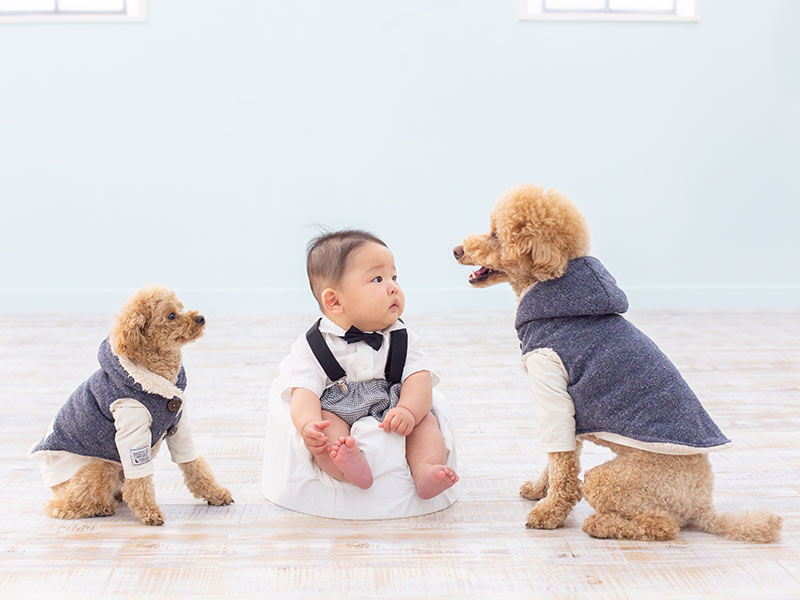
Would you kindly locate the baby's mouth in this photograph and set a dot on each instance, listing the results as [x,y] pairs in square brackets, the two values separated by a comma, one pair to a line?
[482,274]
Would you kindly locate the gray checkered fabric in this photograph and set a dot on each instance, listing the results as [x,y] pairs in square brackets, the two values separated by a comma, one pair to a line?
[373,398]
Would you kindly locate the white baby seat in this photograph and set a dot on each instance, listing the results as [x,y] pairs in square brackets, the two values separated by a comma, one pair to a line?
[291,478]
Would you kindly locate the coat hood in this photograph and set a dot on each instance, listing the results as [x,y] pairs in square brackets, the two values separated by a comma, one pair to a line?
[585,289]
[124,372]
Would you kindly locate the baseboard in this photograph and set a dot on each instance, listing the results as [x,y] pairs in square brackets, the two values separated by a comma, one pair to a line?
[715,297]
[440,300]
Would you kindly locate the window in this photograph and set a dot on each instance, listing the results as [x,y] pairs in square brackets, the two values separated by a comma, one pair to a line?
[55,11]
[610,10]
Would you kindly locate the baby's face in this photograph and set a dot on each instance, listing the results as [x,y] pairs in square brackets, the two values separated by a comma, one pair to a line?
[369,294]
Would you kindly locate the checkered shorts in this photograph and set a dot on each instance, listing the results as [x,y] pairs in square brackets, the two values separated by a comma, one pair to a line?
[374,398]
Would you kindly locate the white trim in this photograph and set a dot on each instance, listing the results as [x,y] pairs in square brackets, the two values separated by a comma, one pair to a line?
[534,10]
[657,447]
[270,301]
[713,297]
[135,11]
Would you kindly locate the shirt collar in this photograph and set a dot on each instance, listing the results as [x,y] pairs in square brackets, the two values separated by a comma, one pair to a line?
[328,326]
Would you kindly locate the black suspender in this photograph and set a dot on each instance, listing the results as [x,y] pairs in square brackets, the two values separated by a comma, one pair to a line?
[398,349]
[323,354]
[395,361]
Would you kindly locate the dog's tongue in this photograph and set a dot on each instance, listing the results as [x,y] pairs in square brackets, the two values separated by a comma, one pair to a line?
[478,273]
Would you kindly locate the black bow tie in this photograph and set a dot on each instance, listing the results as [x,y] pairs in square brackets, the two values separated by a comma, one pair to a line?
[354,334]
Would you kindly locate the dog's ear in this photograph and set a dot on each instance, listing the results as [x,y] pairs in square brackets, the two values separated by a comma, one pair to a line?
[529,250]
[127,337]
[549,261]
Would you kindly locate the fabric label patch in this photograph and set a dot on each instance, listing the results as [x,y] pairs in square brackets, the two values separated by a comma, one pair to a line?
[140,456]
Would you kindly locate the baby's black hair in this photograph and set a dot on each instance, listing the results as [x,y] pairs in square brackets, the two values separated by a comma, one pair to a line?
[327,254]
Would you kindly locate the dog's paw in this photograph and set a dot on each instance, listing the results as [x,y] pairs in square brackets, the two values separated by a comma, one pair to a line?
[106,510]
[152,516]
[59,509]
[533,490]
[219,497]
[542,517]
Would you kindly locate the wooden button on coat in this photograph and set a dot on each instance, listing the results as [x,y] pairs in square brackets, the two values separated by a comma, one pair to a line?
[174,405]
[172,431]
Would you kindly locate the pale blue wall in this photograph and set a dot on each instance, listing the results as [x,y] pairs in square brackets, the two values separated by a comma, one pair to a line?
[198,149]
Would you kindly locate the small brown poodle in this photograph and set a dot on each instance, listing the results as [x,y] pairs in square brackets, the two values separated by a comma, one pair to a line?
[595,377]
[99,448]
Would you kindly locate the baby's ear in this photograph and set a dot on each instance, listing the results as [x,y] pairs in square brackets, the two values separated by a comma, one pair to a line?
[128,333]
[330,301]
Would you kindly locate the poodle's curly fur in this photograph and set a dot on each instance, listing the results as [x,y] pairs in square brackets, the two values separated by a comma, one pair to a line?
[143,332]
[637,495]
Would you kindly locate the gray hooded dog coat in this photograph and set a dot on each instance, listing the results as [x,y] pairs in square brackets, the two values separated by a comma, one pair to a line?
[85,425]
[619,380]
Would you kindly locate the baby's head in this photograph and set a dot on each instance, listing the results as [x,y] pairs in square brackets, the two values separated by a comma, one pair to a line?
[353,277]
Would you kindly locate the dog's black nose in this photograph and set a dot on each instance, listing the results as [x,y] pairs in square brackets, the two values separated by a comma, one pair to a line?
[458,251]
[199,319]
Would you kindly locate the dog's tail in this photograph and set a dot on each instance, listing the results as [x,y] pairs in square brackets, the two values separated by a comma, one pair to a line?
[761,526]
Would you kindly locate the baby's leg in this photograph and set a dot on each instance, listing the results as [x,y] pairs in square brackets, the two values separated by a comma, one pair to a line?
[345,461]
[426,455]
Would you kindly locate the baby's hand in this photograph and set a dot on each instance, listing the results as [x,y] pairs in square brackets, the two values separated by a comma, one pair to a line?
[314,437]
[400,420]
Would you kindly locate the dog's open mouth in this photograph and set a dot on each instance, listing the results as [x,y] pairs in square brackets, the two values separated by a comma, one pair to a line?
[482,274]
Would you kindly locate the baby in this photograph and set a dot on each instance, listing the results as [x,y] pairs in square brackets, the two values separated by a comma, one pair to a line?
[359,359]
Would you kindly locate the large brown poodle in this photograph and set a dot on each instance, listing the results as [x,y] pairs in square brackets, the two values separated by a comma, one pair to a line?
[99,448]
[595,377]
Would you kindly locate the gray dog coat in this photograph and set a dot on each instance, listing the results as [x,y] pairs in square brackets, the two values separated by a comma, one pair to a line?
[619,380]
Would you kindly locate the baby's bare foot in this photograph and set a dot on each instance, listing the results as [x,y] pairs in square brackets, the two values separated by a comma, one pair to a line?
[350,460]
[432,480]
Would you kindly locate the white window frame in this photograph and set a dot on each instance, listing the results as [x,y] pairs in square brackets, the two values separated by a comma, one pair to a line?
[132,11]
[604,10]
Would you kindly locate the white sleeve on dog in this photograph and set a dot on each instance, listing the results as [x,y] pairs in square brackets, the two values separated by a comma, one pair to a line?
[553,407]
[132,421]
[180,444]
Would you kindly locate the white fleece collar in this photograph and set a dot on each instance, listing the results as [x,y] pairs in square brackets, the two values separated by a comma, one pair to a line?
[150,382]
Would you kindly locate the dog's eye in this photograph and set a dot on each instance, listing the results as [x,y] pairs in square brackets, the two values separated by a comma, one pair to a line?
[494,235]
[171,316]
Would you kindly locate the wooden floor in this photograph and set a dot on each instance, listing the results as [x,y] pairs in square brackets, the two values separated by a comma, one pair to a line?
[745,368]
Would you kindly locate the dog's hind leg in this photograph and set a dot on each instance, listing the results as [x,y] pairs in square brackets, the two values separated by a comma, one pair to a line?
[640,495]
[535,489]
[89,493]
[563,491]
[652,526]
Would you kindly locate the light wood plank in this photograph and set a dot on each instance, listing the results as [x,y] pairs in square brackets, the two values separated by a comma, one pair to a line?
[744,366]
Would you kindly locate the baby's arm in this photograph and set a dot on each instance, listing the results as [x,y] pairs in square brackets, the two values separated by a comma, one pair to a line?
[307,418]
[416,399]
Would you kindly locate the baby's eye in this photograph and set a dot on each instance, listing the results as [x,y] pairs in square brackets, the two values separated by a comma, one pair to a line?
[171,316]
[378,279]
[394,277]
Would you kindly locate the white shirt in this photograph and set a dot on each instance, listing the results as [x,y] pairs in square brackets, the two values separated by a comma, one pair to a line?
[359,361]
